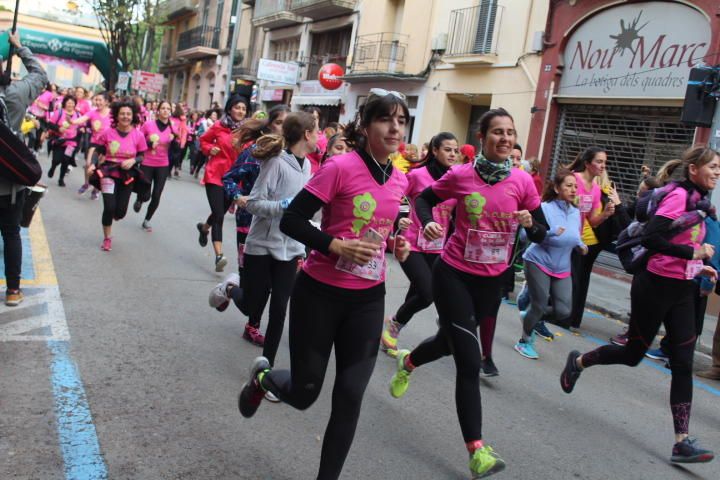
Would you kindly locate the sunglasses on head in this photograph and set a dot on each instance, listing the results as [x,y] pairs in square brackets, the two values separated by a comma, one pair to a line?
[381,92]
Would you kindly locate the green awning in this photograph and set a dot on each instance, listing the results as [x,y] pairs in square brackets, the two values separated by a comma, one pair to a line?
[61,46]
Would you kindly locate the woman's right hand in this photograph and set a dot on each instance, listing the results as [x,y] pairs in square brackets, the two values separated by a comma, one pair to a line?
[704,251]
[357,251]
[433,231]
[214,151]
[404,223]
[241,202]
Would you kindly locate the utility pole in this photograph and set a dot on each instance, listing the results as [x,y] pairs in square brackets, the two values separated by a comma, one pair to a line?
[233,46]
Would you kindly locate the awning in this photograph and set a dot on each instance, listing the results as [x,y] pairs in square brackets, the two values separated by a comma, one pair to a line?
[61,46]
[316,100]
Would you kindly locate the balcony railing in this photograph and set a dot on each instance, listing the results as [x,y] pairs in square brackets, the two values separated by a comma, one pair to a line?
[245,64]
[203,36]
[274,14]
[475,30]
[171,9]
[314,62]
[380,52]
[320,9]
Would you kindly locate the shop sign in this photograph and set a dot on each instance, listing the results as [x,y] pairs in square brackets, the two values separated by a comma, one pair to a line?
[313,87]
[279,72]
[275,95]
[147,81]
[635,50]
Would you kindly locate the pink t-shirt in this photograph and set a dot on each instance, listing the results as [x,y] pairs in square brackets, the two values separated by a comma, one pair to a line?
[42,104]
[68,131]
[98,124]
[119,148]
[587,202]
[418,180]
[83,107]
[485,226]
[672,207]
[354,204]
[158,144]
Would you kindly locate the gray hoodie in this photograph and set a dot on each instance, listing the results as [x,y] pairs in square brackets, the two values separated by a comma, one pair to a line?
[280,179]
[18,96]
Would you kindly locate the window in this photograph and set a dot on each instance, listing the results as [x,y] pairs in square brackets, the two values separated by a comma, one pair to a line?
[285,50]
[196,79]
[211,86]
[486,26]
[332,46]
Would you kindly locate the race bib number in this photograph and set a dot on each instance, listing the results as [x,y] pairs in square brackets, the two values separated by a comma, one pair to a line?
[107,185]
[693,268]
[69,151]
[430,245]
[585,203]
[488,247]
[374,268]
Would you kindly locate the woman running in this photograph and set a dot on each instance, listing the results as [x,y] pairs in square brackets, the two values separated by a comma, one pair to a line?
[339,295]
[221,148]
[159,134]
[65,140]
[442,155]
[121,147]
[99,120]
[41,109]
[180,130]
[664,293]
[547,264]
[239,182]
[589,165]
[493,200]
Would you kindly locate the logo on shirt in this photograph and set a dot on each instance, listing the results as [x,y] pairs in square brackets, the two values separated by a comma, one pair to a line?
[364,210]
[695,233]
[114,147]
[474,204]
[97,125]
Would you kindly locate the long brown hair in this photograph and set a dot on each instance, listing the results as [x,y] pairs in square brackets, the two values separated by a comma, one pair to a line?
[294,128]
[551,188]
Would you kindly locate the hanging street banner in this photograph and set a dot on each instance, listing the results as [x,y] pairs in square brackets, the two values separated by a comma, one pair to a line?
[147,81]
[278,72]
[641,49]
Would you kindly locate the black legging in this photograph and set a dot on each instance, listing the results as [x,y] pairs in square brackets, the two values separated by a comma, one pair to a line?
[460,298]
[219,204]
[655,300]
[158,177]
[115,205]
[59,158]
[264,274]
[582,266]
[700,308]
[320,318]
[418,269]
[10,215]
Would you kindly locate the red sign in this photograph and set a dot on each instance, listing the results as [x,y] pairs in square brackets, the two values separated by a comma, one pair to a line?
[329,74]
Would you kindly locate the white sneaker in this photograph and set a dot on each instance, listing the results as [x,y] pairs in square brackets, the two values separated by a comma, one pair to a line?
[270,397]
[218,295]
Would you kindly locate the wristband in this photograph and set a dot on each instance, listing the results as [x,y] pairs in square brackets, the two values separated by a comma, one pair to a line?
[284,203]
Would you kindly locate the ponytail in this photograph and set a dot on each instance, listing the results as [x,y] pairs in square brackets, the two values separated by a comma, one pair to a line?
[268,146]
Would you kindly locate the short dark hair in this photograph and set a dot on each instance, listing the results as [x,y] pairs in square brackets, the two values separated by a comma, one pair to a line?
[66,99]
[374,108]
[117,106]
[517,147]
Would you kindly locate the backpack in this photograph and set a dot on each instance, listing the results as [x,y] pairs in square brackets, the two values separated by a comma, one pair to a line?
[18,163]
[633,256]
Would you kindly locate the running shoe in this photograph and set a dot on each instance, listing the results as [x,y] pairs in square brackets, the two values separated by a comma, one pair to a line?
[570,373]
[488,368]
[485,462]
[253,335]
[95,194]
[83,189]
[220,262]
[688,451]
[252,392]
[146,226]
[137,205]
[13,298]
[712,373]
[543,331]
[219,299]
[657,354]
[270,397]
[106,245]
[620,339]
[400,382]
[388,340]
[527,348]
[61,183]
[51,172]
[202,239]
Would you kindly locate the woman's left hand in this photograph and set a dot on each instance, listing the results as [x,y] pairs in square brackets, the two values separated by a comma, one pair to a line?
[614,197]
[524,218]
[401,248]
[709,272]
[127,164]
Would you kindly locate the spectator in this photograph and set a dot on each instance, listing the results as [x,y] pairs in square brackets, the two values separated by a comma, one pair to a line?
[17,97]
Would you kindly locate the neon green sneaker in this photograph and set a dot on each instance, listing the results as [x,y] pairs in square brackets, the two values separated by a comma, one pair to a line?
[485,462]
[388,340]
[401,380]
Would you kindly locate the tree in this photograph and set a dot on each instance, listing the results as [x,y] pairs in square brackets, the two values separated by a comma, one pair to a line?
[132,32]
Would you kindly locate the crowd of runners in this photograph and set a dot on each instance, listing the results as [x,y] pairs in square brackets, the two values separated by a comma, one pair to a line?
[318,214]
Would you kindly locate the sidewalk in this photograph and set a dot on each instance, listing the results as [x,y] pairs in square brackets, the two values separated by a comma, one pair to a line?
[610,295]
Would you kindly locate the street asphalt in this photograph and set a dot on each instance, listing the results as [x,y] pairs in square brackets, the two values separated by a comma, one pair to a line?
[161,372]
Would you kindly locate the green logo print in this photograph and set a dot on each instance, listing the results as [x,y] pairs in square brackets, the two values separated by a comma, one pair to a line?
[695,233]
[474,204]
[364,210]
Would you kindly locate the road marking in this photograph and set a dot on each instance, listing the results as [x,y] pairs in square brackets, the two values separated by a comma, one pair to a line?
[41,317]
